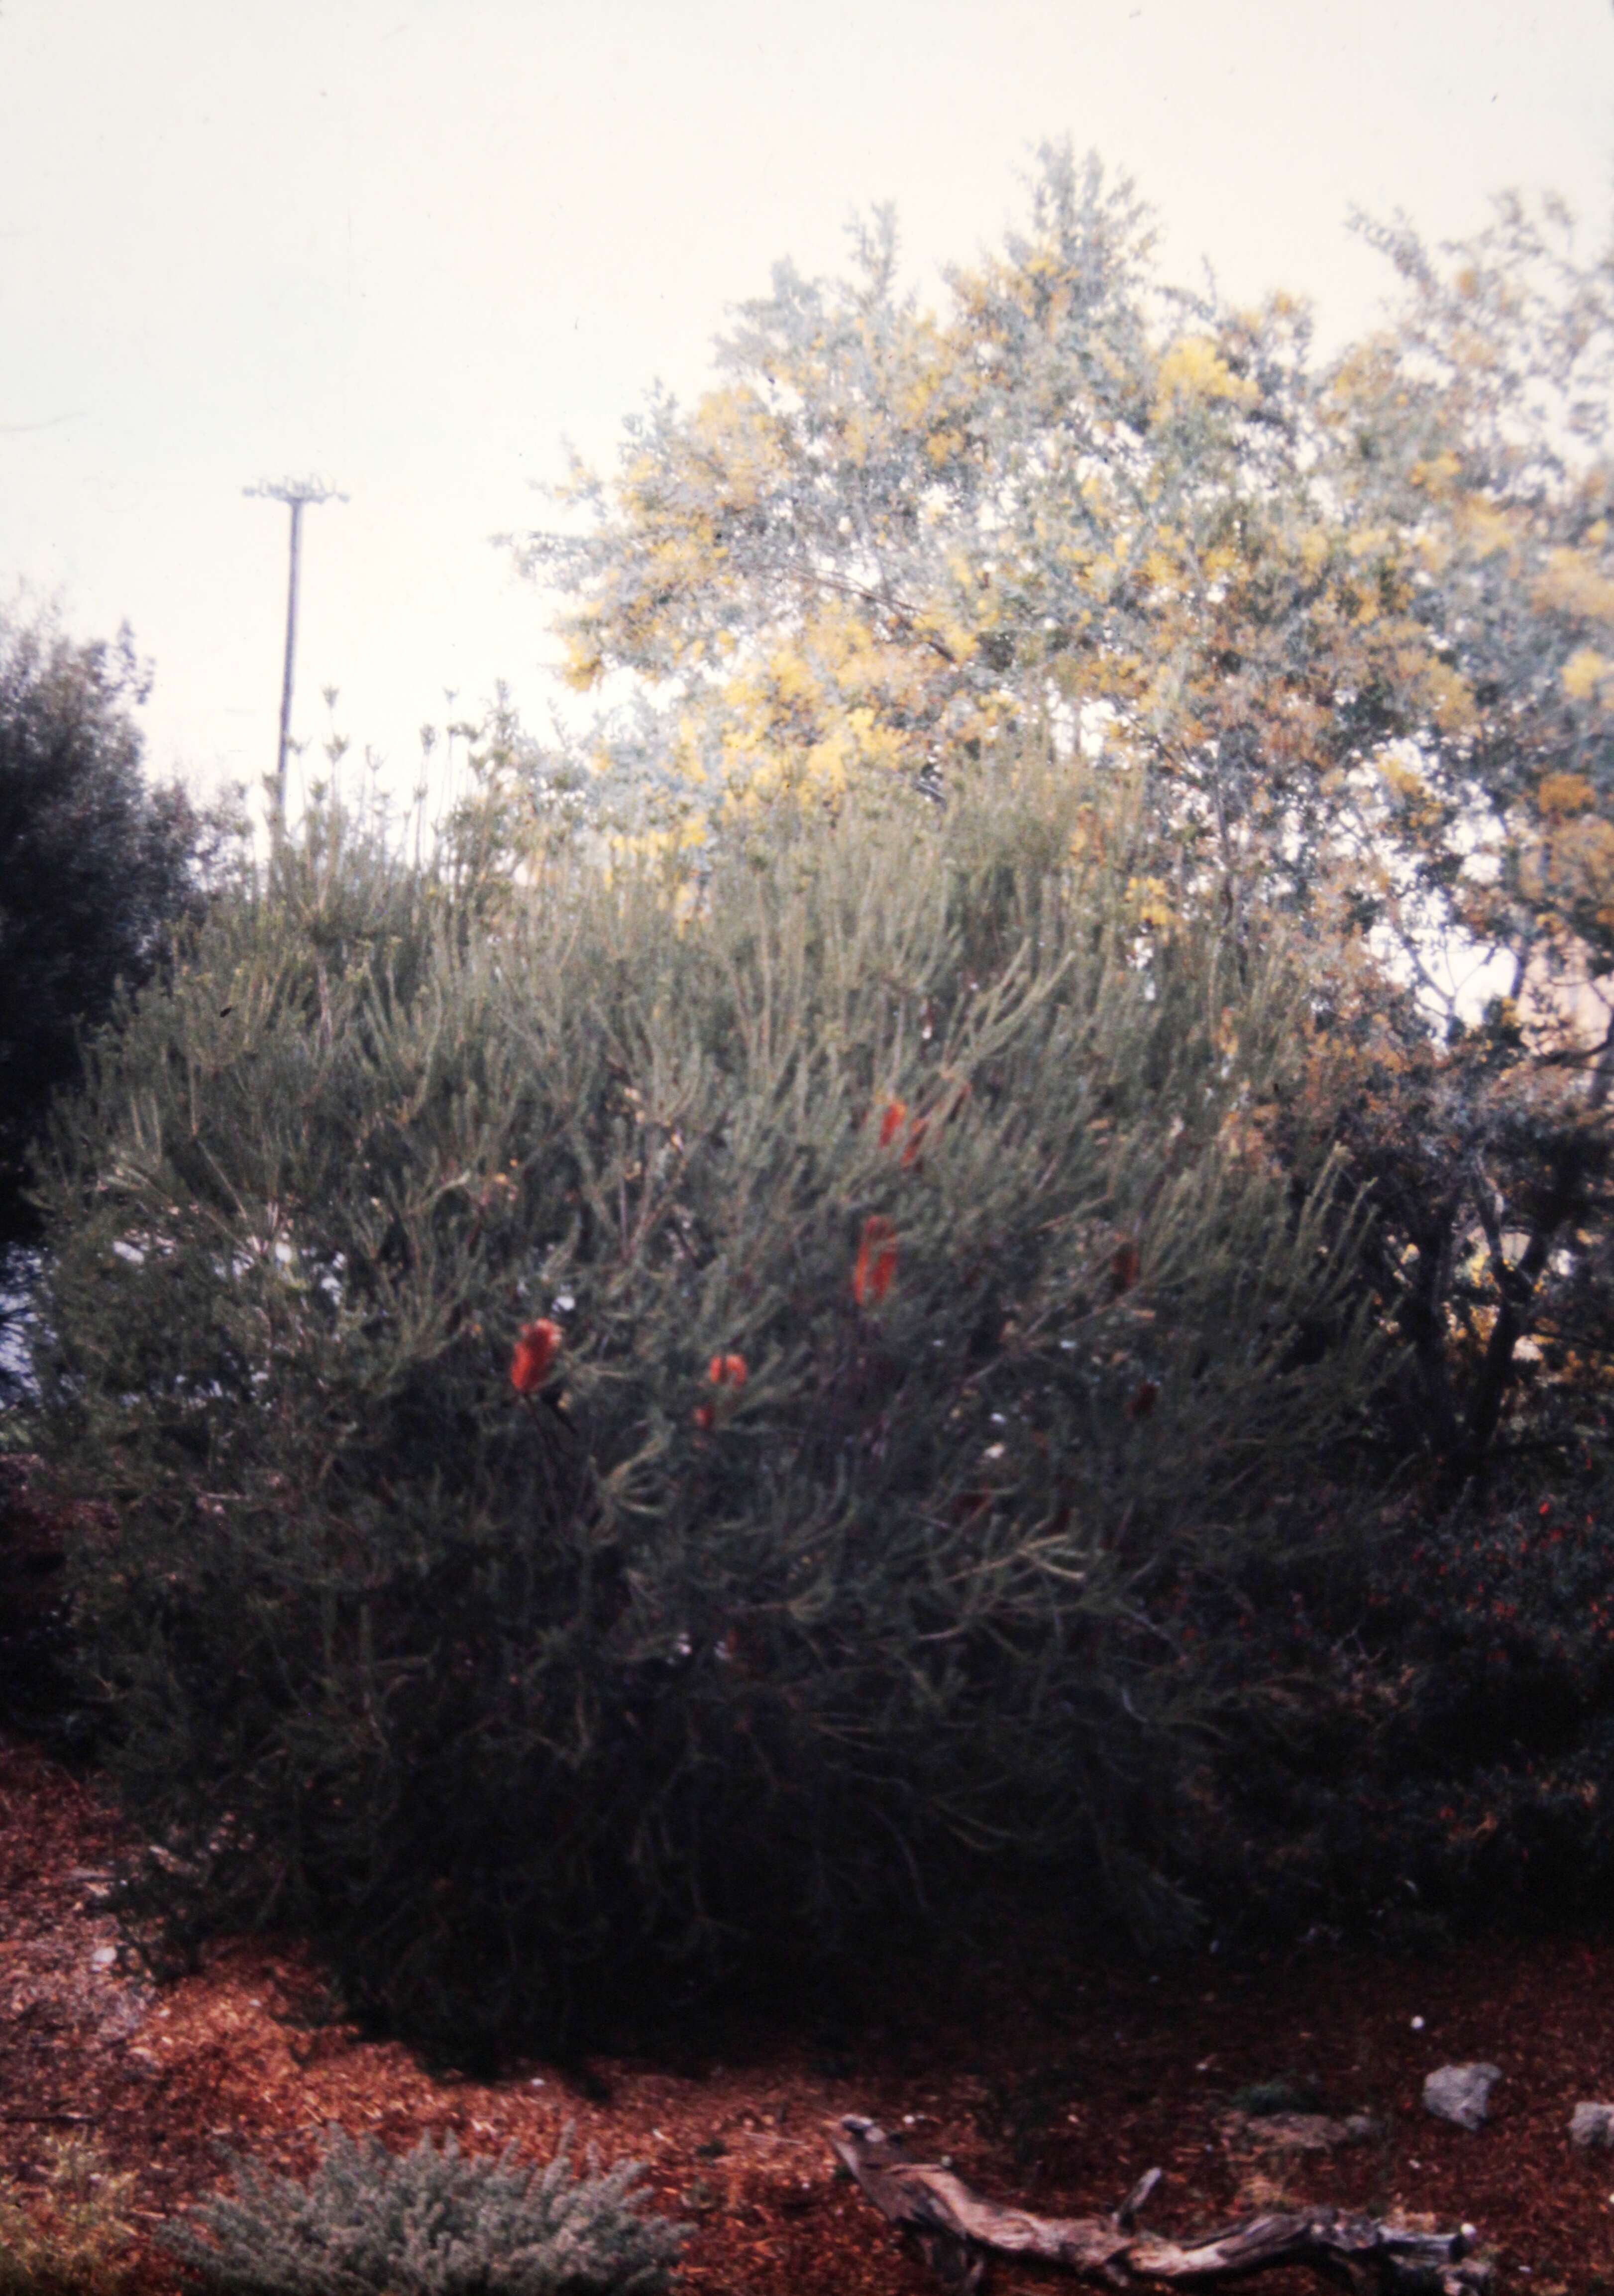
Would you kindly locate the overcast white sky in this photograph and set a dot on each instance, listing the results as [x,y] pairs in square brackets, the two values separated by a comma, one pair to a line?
[413,244]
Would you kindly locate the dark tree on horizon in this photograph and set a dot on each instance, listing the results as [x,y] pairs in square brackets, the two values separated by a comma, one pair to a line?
[95,865]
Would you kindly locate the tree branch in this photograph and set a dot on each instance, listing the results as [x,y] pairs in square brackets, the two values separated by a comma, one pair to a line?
[1516,1293]
[958,2231]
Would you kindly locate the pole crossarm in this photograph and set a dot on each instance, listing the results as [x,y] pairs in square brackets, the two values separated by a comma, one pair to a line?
[294,491]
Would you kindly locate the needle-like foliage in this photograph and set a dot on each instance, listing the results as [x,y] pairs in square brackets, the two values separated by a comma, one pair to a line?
[651,1429]
[428,2223]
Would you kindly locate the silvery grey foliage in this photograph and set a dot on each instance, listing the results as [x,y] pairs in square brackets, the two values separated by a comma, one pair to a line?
[375,2222]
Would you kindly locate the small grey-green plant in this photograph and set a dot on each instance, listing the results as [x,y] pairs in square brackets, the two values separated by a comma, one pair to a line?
[373,2223]
[67,2241]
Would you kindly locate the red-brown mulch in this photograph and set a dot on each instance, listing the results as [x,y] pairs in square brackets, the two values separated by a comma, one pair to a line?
[1053,2083]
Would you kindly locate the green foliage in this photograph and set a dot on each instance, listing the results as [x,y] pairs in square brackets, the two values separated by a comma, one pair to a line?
[1435,1740]
[34,1690]
[1353,621]
[513,1697]
[1354,617]
[67,2239]
[373,2223]
[986,1258]
[94,867]
[1491,1177]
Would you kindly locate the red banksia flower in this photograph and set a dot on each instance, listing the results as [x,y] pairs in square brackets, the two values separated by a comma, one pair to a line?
[702,1416]
[537,1347]
[892,1122]
[876,1262]
[916,1141]
[728,1371]
[1124,1267]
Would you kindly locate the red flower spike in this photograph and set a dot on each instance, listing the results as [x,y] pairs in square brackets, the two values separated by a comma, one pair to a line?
[537,1347]
[892,1121]
[876,1262]
[728,1371]
[1124,1267]
[702,1416]
[916,1141]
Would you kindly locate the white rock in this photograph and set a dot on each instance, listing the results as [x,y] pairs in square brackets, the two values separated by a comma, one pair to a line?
[1460,2093]
[1591,2125]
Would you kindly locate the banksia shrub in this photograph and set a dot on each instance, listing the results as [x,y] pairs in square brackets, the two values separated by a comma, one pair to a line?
[373,2223]
[459,1612]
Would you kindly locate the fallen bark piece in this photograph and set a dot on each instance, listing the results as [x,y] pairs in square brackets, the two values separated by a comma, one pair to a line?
[959,2230]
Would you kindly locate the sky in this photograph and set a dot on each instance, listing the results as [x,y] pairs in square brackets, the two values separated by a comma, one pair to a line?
[413,247]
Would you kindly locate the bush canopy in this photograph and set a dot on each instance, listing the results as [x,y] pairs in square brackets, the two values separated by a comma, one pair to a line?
[915,1313]
[94,867]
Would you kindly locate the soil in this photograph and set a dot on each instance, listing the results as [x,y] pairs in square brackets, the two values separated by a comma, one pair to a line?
[1051,2083]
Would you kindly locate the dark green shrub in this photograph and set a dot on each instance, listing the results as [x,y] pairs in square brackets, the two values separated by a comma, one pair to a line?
[373,2223]
[35,1690]
[1433,1747]
[506,1697]
[95,867]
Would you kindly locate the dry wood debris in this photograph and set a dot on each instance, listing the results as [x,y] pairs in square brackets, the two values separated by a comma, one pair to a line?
[958,2230]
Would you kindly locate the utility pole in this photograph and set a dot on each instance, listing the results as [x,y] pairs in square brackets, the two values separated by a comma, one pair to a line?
[294,492]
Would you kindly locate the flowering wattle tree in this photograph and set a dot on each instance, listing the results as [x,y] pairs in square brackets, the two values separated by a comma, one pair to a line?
[1349,625]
